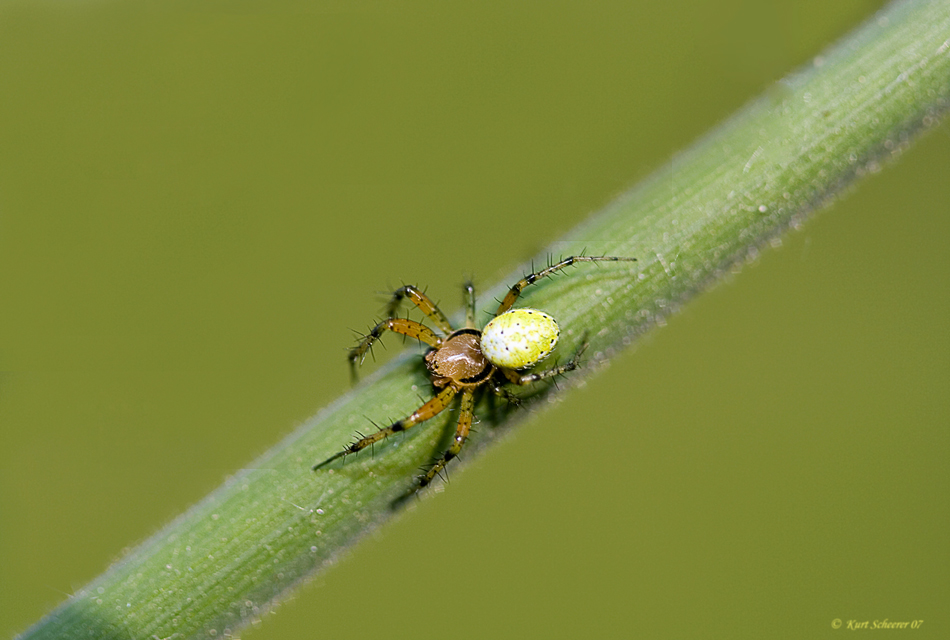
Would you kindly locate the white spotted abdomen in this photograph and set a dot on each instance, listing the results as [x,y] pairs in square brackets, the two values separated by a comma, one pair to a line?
[519,338]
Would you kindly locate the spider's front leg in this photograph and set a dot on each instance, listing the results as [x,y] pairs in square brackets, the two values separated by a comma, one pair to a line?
[424,304]
[468,290]
[403,326]
[462,429]
[528,378]
[430,409]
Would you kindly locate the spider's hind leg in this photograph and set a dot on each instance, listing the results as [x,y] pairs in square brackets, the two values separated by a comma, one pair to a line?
[501,392]
[530,279]
[528,378]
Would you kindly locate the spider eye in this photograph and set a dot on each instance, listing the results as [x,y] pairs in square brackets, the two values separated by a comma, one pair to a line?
[519,338]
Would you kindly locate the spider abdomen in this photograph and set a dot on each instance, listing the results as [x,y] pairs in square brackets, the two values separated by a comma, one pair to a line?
[519,338]
[467,359]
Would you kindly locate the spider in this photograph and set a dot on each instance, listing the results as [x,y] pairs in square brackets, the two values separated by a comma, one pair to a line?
[466,359]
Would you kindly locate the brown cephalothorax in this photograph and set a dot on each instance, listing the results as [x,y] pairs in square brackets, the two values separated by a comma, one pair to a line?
[466,359]
[459,361]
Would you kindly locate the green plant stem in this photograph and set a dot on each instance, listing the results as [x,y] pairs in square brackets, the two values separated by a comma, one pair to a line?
[275,523]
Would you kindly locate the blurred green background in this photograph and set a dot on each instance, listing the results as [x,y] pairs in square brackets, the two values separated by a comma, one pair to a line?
[198,200]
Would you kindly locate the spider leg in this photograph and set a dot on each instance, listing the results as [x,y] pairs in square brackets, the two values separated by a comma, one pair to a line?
[406,327]
[469,300]
[528,378]
[431,408]
[461,435]
[422,301]
[501,392]
[530,279]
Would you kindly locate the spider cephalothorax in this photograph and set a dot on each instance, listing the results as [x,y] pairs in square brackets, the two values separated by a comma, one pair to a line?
[468,358]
